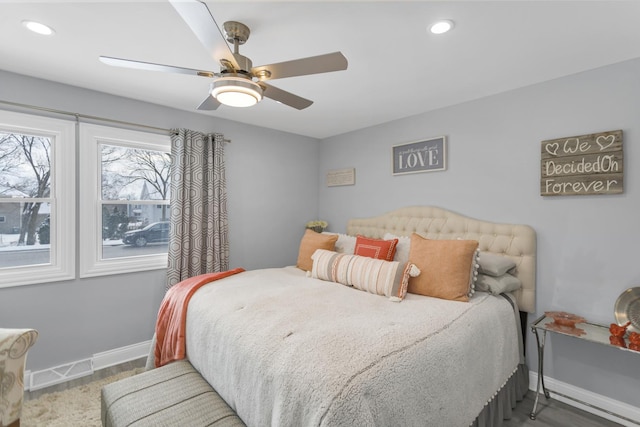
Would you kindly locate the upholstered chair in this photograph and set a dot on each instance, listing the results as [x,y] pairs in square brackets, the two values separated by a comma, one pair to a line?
[14,344]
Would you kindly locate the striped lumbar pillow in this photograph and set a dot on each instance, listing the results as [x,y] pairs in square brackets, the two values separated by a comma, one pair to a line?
[388,278]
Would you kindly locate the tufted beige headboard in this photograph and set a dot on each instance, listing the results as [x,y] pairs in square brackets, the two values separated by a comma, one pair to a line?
[517,242]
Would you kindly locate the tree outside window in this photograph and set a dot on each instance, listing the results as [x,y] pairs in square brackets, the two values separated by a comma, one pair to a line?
[141,178]
[25,173]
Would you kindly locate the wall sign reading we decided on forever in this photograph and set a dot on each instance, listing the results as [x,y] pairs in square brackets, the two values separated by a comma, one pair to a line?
[585,164]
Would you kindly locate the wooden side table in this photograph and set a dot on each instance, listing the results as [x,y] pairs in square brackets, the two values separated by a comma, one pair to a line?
[598,334]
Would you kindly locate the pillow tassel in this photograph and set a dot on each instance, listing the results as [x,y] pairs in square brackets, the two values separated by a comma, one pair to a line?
[414,271]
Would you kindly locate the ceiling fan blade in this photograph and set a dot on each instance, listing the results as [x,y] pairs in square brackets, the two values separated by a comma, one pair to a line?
[210,103]
[301,67]
[199,18]
[139,65]
[284,97]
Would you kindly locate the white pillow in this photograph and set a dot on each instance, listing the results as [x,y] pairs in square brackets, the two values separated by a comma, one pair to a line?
[402,248]
[346,244]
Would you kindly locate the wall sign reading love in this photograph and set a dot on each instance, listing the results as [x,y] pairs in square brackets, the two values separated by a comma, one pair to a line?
[585,164]
[420,156]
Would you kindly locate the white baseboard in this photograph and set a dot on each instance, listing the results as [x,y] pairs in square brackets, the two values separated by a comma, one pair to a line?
[59,374]
[594,403]
[121,355]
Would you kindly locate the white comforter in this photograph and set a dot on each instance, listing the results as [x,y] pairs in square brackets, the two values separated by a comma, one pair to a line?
[286,350]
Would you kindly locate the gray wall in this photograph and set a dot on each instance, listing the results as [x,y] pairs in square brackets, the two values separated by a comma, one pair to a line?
[587,245]
[79,318]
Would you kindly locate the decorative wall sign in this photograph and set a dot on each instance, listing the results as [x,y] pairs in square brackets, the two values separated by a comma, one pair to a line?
[420,156]
[337,177]
[585,164]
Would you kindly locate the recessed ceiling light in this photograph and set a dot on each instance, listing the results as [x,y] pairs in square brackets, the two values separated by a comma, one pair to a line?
[441,27]
[39,28]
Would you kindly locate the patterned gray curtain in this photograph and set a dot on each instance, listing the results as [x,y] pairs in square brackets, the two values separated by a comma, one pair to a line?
[199,229]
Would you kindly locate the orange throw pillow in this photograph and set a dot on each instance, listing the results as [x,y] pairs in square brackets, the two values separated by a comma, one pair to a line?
[445,267]
[308,245]
[376,248]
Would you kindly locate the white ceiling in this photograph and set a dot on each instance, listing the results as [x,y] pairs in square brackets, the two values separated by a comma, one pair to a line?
[396,68]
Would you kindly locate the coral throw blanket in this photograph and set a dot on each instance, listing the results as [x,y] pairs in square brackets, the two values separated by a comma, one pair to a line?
[172,316]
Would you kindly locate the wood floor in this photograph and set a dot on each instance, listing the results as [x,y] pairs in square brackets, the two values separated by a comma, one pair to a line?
[552,413]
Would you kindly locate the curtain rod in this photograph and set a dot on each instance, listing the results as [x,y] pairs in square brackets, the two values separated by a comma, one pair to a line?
[86,116]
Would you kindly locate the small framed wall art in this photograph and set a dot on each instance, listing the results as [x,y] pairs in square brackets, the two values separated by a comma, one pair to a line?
[427,155]
[339,177]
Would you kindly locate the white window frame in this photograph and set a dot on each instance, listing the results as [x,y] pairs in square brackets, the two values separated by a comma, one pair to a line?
[90,191]
[61,264]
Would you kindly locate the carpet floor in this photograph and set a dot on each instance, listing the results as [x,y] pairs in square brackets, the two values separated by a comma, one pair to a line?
[78,406]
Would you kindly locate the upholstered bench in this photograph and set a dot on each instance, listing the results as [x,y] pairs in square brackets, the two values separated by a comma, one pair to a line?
[173,395]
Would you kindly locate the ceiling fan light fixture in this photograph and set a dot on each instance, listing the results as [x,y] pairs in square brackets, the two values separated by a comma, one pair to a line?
[236,91]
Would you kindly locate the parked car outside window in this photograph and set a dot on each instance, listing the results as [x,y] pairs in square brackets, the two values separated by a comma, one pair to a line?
[158,232]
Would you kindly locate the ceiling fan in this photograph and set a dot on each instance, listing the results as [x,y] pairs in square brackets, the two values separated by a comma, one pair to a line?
[239,83]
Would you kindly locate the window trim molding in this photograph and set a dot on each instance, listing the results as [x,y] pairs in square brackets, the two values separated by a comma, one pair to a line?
[61,264]
[90,191]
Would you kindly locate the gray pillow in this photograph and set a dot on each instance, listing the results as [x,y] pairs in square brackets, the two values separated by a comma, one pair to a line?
[495,265]
[497,285]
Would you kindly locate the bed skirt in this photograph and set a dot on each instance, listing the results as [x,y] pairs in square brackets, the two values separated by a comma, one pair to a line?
[501,407]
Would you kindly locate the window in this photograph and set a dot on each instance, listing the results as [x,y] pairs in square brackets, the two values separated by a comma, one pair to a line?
[125,178]
[37,199]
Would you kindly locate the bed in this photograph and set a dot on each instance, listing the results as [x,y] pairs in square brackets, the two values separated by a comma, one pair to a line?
[286,349]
